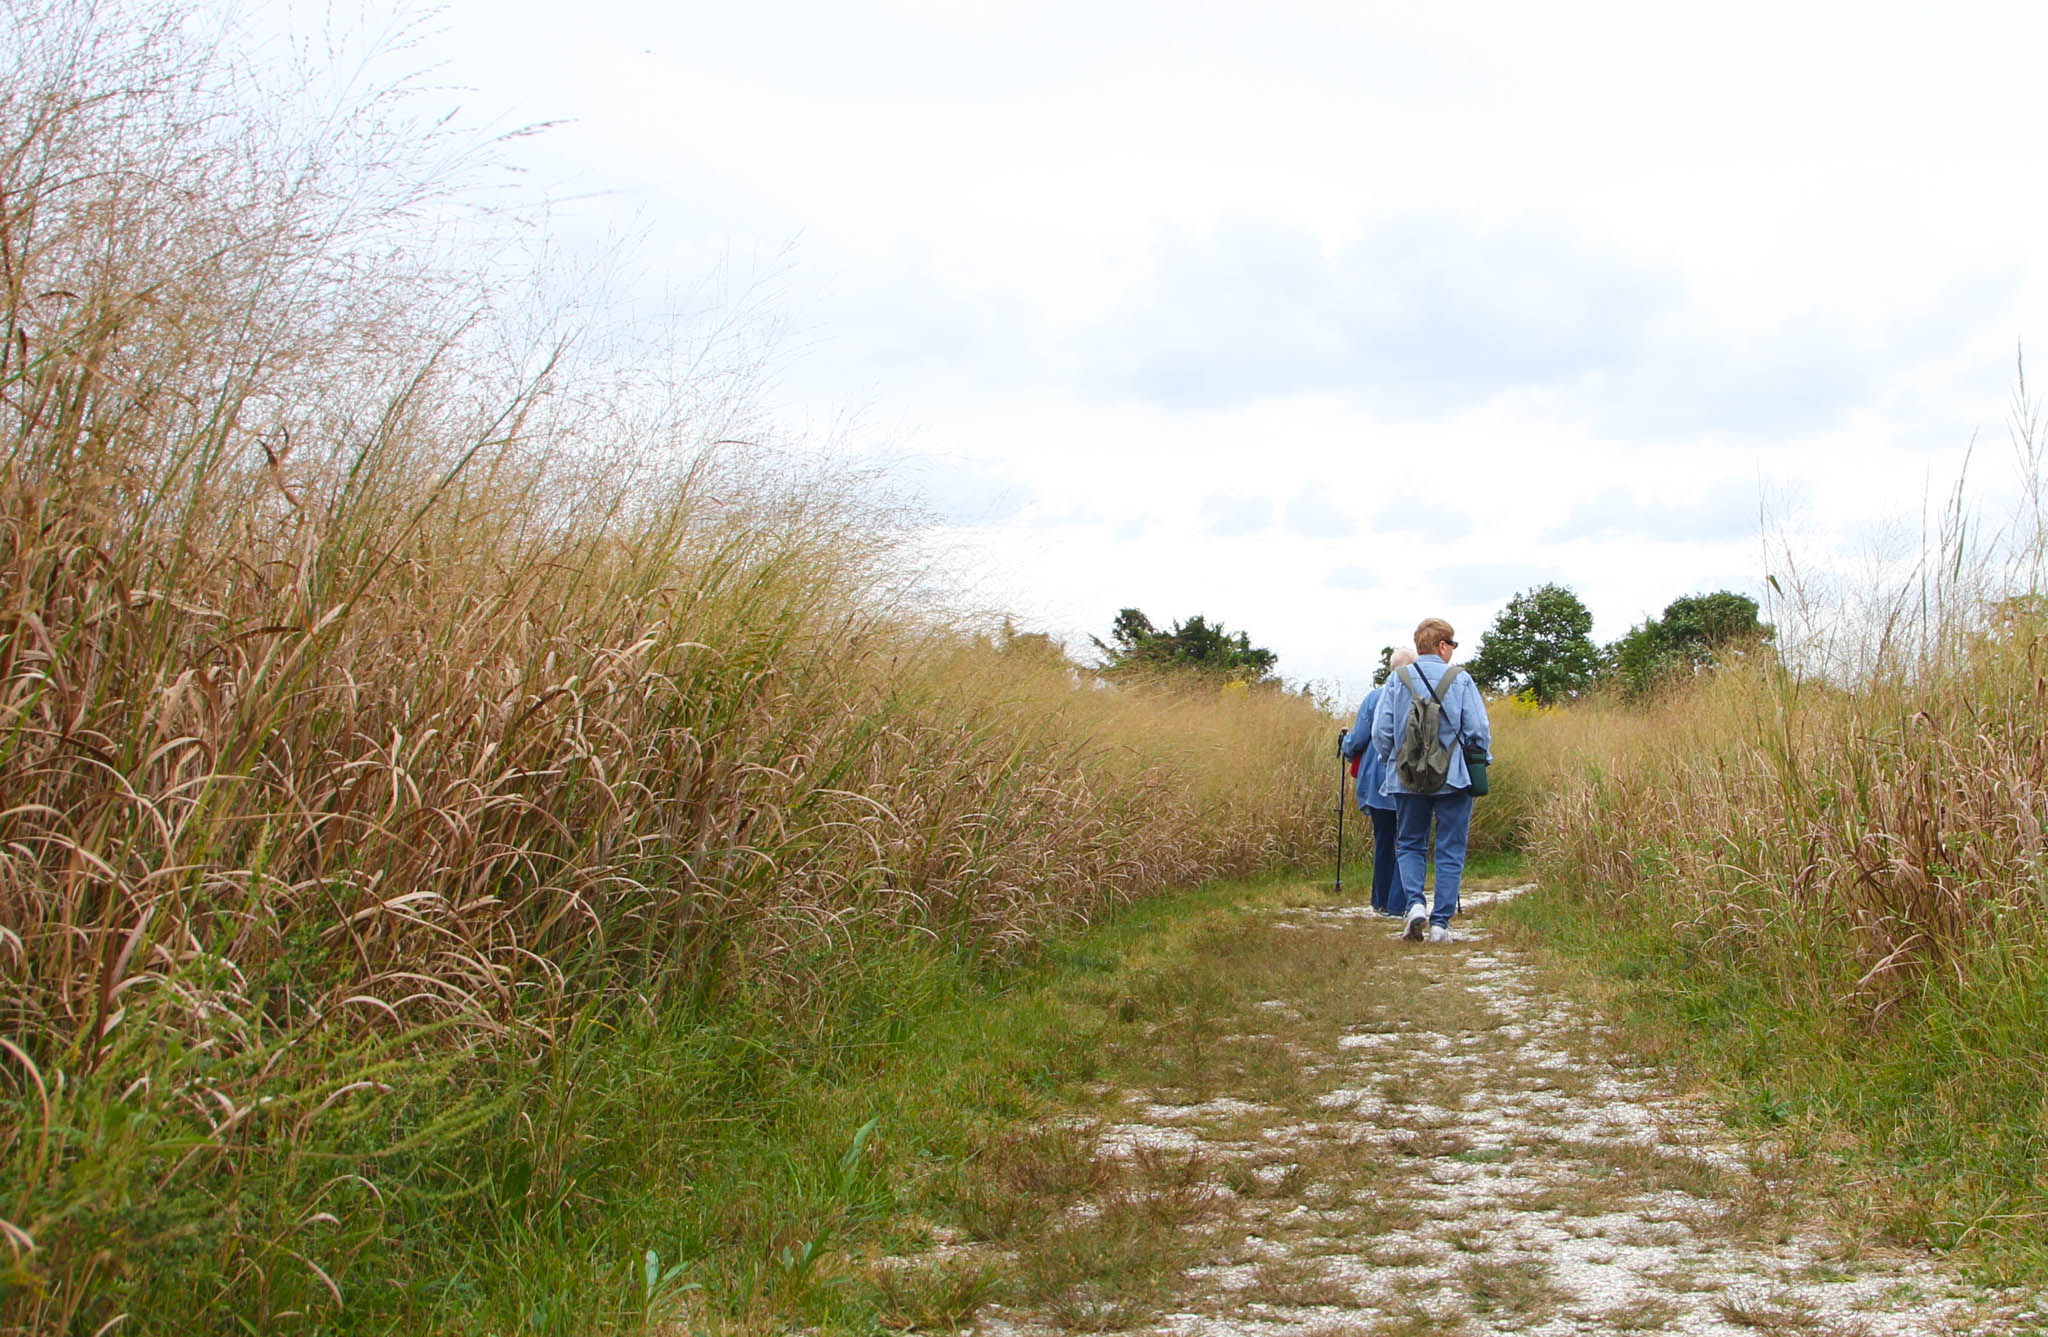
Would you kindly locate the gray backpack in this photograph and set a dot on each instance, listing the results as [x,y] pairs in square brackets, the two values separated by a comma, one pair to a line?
[1422,762]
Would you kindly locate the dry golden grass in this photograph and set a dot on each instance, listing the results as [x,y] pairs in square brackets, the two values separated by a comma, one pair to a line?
[1825,872]
[365,700]
[1893,827]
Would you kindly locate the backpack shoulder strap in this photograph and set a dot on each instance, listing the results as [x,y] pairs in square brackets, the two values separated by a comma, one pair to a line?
[1436,691]
[1408,681]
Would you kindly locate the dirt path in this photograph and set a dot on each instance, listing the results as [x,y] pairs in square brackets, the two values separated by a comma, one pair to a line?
[1377,1137]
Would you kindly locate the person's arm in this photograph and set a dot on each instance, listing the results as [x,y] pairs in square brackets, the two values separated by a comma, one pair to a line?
[1384,720]
[1359,737]
[1474,727]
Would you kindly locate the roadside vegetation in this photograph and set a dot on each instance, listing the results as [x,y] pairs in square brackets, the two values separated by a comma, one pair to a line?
[1823,877]
[465,781]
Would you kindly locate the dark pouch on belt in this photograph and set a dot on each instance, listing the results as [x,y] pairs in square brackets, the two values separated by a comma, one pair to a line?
[1475,762]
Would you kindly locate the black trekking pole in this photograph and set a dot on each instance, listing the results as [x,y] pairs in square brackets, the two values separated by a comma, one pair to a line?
[1340,812]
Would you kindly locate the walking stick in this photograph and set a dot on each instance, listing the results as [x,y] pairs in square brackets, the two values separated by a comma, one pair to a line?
[1340,812]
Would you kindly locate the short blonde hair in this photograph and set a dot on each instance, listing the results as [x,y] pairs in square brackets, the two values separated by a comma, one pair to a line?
[1433,631]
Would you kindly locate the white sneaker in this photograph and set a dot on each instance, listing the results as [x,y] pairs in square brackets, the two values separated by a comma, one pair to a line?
[1418,919]
[1438,933]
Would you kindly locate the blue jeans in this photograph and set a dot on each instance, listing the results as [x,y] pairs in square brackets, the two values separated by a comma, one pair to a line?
[1386,875]
[1450,810]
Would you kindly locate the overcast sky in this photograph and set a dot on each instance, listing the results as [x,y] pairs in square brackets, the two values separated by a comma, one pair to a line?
[1320,319]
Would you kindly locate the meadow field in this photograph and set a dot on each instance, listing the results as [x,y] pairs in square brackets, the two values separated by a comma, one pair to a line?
[480,813]
[410,712]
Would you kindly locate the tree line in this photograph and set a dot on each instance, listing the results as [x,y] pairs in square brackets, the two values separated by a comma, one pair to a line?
[1197,645]
[1540,645]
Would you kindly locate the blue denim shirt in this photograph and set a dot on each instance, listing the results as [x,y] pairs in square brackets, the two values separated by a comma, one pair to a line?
[1358,747]
[1463,721]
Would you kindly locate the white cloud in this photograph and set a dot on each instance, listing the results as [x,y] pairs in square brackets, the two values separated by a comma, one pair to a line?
[1317,513]
[1704,511]
[1228,516]
[1494,293]
[965,491]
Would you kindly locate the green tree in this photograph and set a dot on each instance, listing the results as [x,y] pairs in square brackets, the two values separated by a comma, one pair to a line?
[1695,633]
[1196,645]
[1541,644]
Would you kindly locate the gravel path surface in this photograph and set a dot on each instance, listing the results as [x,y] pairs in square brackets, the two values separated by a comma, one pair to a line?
[1470,1153]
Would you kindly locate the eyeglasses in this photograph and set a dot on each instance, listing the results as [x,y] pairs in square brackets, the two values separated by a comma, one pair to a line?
[1448,641]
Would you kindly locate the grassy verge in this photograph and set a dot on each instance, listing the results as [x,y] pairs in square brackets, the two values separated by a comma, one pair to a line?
[735,1173]
[1924,1129]
[1824,890]
[741,1177]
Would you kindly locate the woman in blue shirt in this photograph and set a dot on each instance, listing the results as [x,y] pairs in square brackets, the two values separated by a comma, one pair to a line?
[1365,762]
[1462,724]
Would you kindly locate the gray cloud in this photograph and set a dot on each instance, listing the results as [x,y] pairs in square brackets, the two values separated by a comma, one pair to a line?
[1488,582]
[1313,515]
[1227,516]
[1416,515]
[1806,375]
[1722,512]
[1420,317]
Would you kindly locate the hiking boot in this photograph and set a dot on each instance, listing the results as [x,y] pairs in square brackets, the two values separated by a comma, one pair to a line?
[1418,920]
[1438,933]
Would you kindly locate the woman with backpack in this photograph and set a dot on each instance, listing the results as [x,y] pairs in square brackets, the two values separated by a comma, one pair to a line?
[1426,773]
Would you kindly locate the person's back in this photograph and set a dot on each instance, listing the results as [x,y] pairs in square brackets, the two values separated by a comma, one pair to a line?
[1461,723]
[1463,719]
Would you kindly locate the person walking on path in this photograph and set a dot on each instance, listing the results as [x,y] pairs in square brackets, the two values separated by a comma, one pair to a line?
[1462,723]
[1365,764]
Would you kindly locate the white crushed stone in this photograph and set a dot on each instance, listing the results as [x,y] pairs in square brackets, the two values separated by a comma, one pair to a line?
[1223,1107]
[1126,1139]
[1537,1160]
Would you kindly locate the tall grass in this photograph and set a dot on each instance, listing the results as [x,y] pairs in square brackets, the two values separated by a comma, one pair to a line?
[1832,867]
[388,698]
[1521,777]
